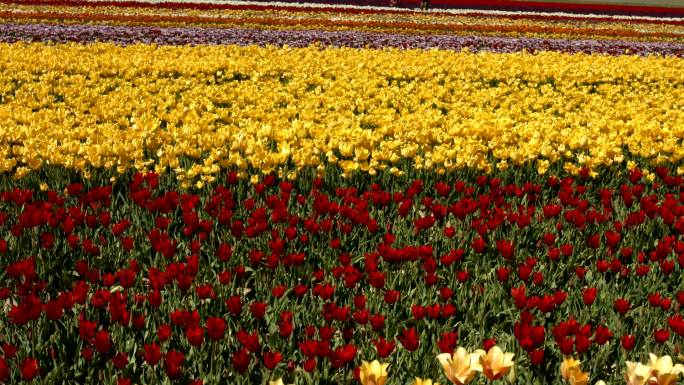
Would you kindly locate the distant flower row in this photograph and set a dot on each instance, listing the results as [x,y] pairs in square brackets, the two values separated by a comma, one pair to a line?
[356,39]
[535,8]
[336,20]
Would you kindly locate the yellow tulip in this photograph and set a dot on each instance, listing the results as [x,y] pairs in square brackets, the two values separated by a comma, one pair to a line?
[664,372]
[460,367]
[637,373]
[495,363]
[427,381]
[568,365]
[578,377]
[276,382]
[373,373]
[571,372]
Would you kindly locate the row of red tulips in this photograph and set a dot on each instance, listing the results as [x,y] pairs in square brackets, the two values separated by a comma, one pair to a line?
[246,282]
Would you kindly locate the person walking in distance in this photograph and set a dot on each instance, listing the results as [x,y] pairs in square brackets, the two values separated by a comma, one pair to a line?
[424,5]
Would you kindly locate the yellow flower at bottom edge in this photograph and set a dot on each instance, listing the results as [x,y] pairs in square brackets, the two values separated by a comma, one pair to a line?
[427,381]
[664,372]
[495,363]
[460,367]
[567,366]
[578,377]
[637,373]
[276,382]
[373,373]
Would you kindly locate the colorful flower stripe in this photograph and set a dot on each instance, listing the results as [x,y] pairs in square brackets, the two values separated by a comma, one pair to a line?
[318,23]
[673,11]
[500,25]
[401,33]
[341,8]
[420,17]
[520,5]
[545,109]
[197,36]
[548,6]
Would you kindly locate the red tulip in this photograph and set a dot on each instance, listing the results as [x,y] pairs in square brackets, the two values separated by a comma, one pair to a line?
[448,342]
[488,343]
[661,335]
[409,339]
[271,359]
[628,341]
[9,350]
[195,335]
[249,341]
[677,324]
[164,332]
[216,328]
[391,296]
[241,360]
[234,304]
[589,295]
[566,346]
[310,365]
[518,294]
[29,369]
[120,360]
[377,321]
[102,342]
[173,363]
[4,370]
[536,356]
[621,305]
[152,354]
[479,245]
[383,347]
[505,248]
[258,309]
[502,274]
[602,335]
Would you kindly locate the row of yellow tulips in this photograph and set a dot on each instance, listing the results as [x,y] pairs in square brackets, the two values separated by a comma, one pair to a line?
[659,371]
[461,367]
[197,110]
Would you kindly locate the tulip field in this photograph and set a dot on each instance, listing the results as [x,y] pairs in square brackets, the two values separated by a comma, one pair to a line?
[252,192]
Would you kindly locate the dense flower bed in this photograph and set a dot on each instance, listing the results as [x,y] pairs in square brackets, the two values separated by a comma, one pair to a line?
[251,192]
[148,107]
[245,281]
